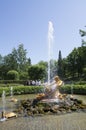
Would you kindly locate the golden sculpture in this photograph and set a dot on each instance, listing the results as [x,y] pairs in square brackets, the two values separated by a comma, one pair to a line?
[52,90]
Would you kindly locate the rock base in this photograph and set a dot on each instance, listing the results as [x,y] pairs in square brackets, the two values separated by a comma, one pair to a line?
[50,106]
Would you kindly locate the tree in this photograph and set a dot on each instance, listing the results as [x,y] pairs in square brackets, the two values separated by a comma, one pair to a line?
[23,76]
[21,58]
[10,62]
[60,65]
[83,50]
[72,62]
[64,67]
[36,72]
[45,65]
[13,75]
[1,63]
[16,60]
[1,59]
[82,33]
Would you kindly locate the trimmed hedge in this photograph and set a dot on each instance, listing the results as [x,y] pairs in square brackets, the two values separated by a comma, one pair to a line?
[10,84]
[13,82]
[75,89]
[80,83]
[19,90]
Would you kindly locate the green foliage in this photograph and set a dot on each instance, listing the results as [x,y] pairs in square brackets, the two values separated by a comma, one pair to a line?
[71,67]
[18,90]
[75,89]
[60,64]
[6,82]
[82,33]
[23,76]
[80,83]
[1,59]
[76,62]
[36,72]
[13,75]
[16,60]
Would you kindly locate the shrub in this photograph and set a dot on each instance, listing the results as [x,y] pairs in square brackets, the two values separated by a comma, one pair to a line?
[18,90]
[13,75]
[12,82]
[23,76]
[75,89]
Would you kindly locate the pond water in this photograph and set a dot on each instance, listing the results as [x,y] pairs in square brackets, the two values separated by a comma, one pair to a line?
[74,121]
[9,105]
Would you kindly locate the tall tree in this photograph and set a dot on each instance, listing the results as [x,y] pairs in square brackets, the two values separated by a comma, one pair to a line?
[59,68]
[72,63]
[83,48]
[1,59]
[1,64]
[21,57]
[83,33]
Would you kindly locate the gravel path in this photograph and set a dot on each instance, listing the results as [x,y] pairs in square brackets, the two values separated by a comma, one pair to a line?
[74,121]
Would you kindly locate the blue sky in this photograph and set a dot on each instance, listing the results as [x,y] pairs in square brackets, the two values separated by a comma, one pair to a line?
[26,21]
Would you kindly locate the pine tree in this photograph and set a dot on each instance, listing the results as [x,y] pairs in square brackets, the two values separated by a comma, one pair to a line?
[59,69]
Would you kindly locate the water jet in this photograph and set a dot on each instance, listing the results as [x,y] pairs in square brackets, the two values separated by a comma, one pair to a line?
[3,118]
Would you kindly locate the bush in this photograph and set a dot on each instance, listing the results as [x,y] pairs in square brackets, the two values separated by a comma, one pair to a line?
[13,75]
[23,76]
[18,90]
[80,83]
[12,82]
[75,89]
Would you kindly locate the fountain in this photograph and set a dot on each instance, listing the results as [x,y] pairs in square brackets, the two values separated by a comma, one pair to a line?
[51,101]
[11,91]
[11,113]
[11,95]
[5,115]
[3,107]
[50,87]
[50,48]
